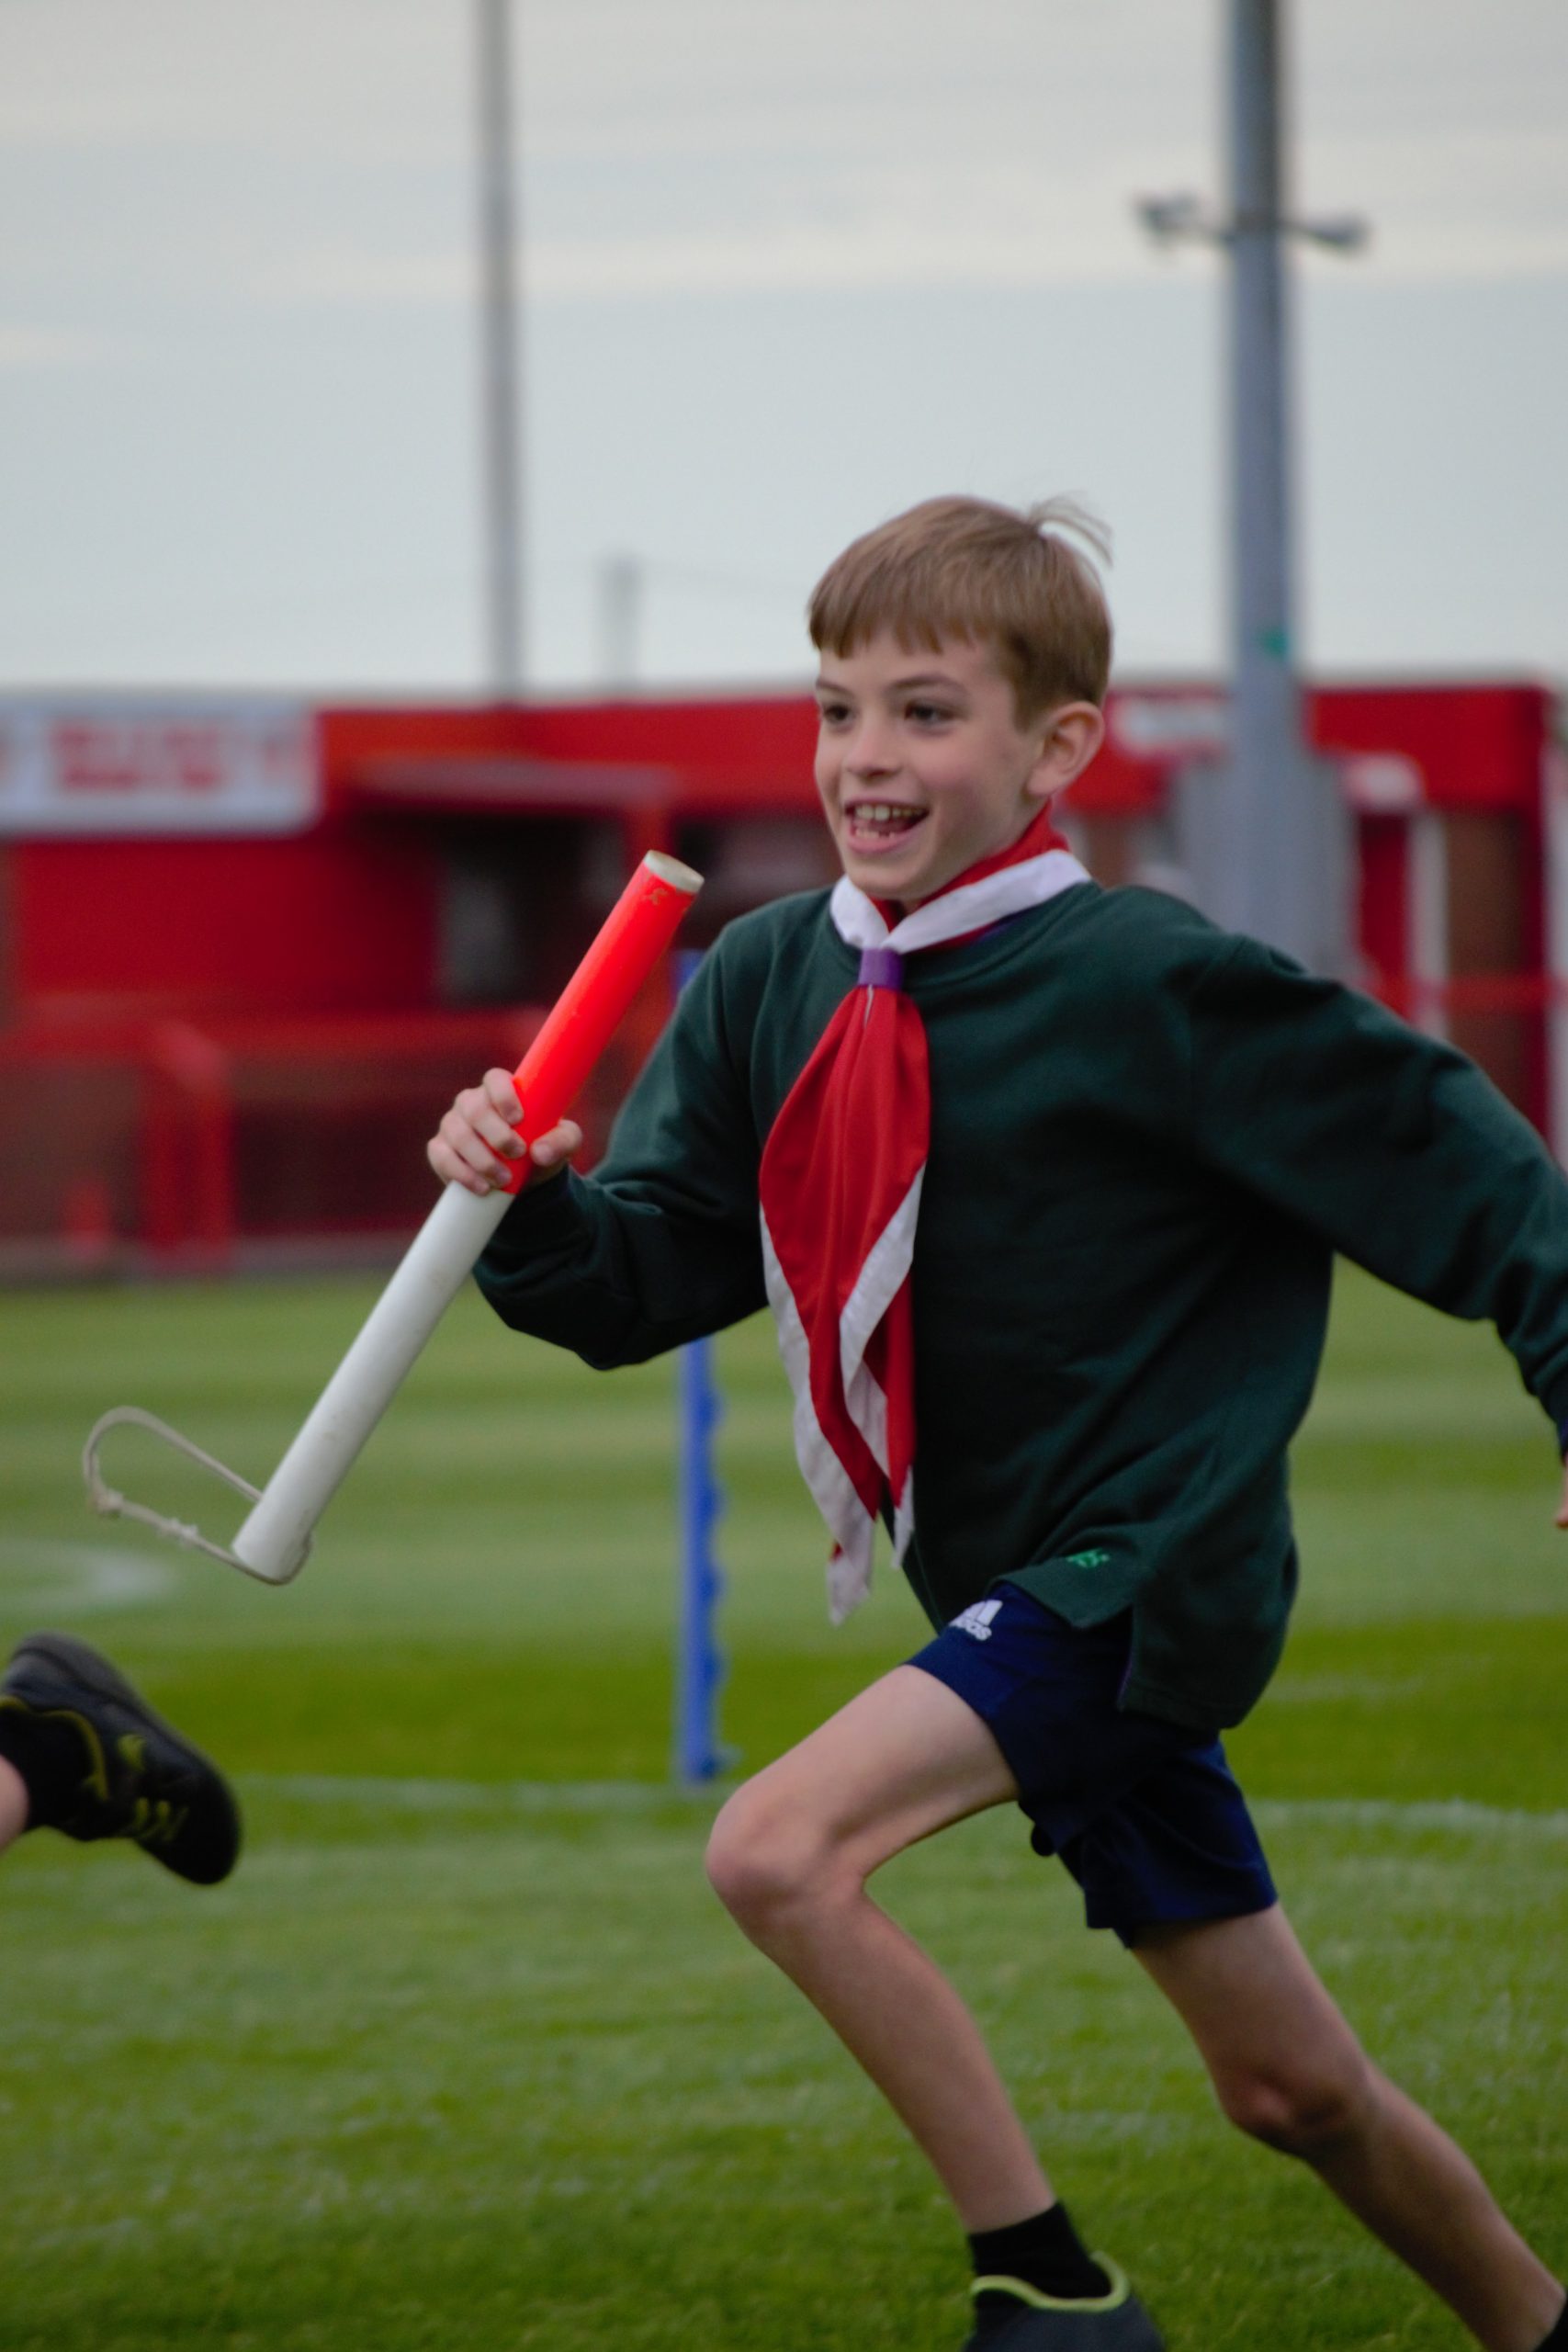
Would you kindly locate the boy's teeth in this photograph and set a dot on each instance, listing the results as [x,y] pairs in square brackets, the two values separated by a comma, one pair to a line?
[883,814]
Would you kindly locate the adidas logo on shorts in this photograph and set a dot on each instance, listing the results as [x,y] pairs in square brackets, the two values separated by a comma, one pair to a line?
[977,1620]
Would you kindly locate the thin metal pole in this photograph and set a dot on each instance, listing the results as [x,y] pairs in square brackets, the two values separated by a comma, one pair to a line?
[500,364]
[620,617]
[1265,713]
[1284,876]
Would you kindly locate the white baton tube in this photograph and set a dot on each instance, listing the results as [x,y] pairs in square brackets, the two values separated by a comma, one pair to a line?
[275,1537]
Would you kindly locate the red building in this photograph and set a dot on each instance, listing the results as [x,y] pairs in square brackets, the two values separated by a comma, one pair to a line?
[248,949]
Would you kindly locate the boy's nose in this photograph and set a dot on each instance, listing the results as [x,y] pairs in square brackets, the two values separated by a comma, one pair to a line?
[871,752]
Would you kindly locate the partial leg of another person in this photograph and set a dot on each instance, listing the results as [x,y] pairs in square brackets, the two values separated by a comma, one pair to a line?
[82,1752]
[790,1858]
[1288,2070]
[13,1804]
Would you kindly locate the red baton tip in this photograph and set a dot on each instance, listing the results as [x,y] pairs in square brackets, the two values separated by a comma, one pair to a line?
[590,1008]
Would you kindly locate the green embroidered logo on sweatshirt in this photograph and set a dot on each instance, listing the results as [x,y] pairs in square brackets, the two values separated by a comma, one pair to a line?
[1088,1559]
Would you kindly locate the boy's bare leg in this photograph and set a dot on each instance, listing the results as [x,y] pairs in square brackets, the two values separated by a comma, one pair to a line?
[13,1804]
[1288,2070]
[790,1856]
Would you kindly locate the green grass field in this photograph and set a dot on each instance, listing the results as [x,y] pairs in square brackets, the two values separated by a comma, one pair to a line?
[465,2054]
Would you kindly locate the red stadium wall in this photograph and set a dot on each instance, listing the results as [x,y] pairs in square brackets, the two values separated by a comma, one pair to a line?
[330,921]
[348,915]
[196,1033]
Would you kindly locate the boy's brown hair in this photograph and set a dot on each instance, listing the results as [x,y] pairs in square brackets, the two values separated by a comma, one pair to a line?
[964,567]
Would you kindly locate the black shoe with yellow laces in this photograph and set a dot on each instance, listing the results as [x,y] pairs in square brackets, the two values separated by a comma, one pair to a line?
[97,1762]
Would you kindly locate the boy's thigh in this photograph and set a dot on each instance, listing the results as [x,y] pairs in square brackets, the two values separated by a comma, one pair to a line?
[1250,1999]
[904,1757]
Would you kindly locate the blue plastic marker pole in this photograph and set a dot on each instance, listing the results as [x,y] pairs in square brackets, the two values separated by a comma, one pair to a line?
[699,1753]
[699,1664]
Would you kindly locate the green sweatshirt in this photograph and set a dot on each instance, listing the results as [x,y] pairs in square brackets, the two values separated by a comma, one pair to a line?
[1148,1138]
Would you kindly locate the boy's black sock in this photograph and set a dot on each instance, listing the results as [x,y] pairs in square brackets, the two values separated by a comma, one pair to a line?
[49,1758]
[1045,2252]
[1558,2340]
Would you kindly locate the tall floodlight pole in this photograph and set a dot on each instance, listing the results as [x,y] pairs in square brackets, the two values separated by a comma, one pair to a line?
[499,351]
[1268,786]
[1268,832]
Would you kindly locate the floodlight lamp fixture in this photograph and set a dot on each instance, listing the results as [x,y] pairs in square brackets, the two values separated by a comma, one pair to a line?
[1169,219]
[1175,219]
[1345,232]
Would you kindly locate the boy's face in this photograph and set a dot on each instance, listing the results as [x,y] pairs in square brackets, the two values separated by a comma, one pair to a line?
[924,766]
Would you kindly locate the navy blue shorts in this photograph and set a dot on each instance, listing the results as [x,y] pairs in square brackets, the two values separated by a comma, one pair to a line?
[1145,1814]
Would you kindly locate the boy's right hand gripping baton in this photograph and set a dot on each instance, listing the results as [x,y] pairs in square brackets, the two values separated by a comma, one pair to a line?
[275,1540]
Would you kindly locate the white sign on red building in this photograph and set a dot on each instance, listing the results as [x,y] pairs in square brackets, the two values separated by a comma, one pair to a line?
[101,764]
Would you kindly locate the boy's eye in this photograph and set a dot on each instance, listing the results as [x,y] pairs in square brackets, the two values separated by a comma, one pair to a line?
[832,714]
[928,714]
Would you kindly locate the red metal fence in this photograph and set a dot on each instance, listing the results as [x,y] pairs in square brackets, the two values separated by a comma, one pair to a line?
[185,1143]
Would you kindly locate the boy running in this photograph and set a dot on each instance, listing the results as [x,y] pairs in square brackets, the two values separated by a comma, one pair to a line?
[1043,1182]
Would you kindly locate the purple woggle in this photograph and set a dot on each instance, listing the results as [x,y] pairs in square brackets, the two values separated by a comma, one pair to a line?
[880,967]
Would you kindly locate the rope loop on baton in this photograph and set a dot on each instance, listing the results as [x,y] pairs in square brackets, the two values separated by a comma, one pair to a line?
[112,1504]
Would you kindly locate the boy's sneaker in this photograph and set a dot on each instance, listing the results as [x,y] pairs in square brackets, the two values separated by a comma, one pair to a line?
[138,1779]
[1015,2317]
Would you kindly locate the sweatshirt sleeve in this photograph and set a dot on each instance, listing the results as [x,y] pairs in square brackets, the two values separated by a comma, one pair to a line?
[661,1243]
[1391,1144]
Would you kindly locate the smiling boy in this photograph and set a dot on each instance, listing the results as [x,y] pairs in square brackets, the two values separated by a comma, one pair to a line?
[943,733]
[1043,1182]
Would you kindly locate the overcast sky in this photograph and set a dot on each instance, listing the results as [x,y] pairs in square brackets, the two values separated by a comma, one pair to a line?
[789,266]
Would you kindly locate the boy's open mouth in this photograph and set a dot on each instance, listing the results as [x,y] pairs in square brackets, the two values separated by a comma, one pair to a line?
[881,821]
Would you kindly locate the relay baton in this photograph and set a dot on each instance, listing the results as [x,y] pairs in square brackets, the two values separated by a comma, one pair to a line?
[275,1540]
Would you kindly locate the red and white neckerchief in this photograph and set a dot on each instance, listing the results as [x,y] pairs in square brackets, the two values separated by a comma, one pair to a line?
[840,1192]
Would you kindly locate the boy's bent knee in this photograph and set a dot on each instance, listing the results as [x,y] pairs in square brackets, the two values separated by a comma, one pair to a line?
[764,1864]
[1298,2114]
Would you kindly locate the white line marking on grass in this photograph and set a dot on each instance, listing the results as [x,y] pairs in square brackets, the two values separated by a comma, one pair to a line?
[77,1576]
[1364,1690]
[1454,1814]
[500,1796]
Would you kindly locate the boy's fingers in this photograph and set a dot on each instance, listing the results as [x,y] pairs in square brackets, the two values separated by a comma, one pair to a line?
[553,1150]
[452,1168]
[473,1144]
[502,1095]
[493,1109]
[477,1133]
[478,1141]
[444,1161]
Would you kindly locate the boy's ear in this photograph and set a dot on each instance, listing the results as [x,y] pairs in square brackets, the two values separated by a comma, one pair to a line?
[1071,734]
